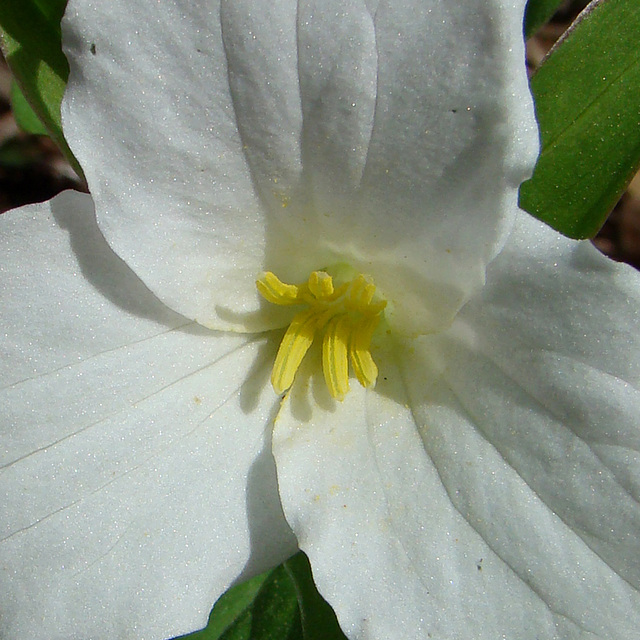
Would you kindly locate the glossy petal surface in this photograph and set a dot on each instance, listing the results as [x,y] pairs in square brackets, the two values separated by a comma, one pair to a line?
[288,136]
[136,476]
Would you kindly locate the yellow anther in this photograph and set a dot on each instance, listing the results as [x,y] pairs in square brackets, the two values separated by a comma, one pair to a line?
[321,284]
[363,365]
[335,355]
[271,288]
[347,315]
[294,346]
[361,292]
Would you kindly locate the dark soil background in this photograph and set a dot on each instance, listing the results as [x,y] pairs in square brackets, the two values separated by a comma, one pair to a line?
[33,170]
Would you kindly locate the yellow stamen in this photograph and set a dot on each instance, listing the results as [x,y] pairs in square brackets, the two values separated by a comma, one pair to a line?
[348,315]
[335,358]
[359,352]
[321,284]
[271,288]
[294,346]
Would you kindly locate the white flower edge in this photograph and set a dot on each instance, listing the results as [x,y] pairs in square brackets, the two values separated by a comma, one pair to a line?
[490,487]
[284,137]
[136,479]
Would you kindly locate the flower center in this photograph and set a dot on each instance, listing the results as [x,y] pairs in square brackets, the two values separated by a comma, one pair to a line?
[346,315]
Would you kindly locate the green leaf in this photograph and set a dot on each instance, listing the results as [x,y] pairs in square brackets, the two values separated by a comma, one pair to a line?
[52,10]
[25,117]
[264,608]
[588,108]
[319,622]
[538,12]
[231,609]
[31,43]
[281,604]
[275,614]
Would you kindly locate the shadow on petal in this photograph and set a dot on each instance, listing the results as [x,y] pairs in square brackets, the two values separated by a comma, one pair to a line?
[108,273]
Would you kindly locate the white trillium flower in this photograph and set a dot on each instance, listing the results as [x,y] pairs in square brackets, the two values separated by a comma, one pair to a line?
[486,486]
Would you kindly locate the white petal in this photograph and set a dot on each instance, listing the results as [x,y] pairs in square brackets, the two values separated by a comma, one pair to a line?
[529,411]
[136,475]
[557,334]
[500,497]
[149,115]
[389,550]
[291,136]
[453,135]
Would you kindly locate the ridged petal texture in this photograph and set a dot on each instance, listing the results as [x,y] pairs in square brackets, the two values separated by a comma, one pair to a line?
[490,486]
[242,136]
[487,487]
[136,479]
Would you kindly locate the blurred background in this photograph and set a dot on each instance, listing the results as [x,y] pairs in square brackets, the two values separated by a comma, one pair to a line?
[33,170]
